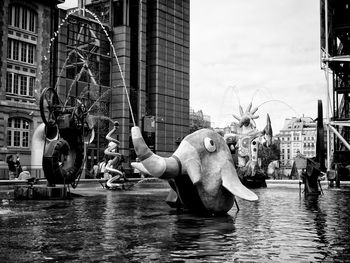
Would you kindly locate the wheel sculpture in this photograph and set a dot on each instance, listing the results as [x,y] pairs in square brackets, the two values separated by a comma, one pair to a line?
[63,152]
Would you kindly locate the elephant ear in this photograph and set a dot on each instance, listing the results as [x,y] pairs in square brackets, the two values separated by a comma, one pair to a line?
[140,167]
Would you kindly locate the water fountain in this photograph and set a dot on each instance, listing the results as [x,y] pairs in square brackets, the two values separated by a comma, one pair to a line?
[201,172]
[60,143]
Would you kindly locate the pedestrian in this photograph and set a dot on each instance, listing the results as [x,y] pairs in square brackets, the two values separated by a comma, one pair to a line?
[13,166]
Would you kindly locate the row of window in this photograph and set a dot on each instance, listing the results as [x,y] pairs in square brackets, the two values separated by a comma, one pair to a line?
[18,133]
[21,51]
[18,84]
[297,138]
[23,18]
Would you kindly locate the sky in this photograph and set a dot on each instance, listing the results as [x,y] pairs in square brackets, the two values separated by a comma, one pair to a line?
[264,52]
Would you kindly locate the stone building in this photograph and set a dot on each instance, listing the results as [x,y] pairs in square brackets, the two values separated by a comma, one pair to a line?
[298,135]
[26,29]
[198,120]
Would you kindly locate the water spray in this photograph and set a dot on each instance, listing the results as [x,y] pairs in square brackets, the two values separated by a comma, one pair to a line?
[111,45]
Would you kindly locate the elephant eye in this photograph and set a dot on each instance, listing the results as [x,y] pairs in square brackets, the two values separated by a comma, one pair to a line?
[209,145]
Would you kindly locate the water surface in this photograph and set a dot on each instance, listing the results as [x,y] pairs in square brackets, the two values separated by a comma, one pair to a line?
[138,226]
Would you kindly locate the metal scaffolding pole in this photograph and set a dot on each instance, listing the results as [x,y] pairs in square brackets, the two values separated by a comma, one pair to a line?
[326,59]
[327,87]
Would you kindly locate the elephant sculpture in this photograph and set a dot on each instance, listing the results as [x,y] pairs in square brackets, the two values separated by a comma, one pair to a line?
[201,172]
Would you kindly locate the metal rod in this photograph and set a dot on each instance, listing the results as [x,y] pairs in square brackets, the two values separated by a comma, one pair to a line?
[140,65]
[327,87]
[347,145]
[339,123]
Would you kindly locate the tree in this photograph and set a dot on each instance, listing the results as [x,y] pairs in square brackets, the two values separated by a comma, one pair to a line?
[268,154]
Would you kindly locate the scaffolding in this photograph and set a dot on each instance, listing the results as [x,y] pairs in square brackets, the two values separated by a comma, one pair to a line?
[335,61]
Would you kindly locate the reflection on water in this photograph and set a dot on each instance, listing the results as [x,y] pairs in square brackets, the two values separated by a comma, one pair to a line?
[138,226]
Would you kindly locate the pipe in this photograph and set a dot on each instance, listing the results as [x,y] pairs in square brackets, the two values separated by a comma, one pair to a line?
[38,143]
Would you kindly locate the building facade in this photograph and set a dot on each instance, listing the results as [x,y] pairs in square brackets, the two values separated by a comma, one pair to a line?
[298,136]
[150,74]
[26,29]
[198,120]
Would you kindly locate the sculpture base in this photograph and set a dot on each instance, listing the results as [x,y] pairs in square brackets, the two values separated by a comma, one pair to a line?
[40,192]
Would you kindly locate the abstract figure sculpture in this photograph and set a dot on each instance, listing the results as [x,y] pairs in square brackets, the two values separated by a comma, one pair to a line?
[246,140]
[201,172]
[111,150]
[118,181]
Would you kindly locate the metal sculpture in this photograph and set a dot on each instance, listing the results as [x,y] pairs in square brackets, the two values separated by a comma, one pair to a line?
[62,138]
[315,167]
[201,172]
[246,142]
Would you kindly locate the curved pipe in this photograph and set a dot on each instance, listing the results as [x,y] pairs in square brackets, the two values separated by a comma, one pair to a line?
[38,142]
[41,134]
[156,165]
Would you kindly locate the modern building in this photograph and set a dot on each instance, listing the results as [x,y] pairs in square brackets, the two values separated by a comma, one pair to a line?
[71,50]
[25,31]
[151,71]
[298,136]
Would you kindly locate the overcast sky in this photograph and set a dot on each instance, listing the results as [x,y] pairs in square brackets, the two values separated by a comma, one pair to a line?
[253,50]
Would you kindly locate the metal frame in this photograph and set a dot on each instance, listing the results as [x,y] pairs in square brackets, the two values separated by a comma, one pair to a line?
[332,125]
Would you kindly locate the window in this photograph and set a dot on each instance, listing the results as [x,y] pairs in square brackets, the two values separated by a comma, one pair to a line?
[31,86]
[23,89]
[31,51]
[18,84]
[22,18]
[15,84]
[15,53]
[21,51]
[9,82]
[118,13]
[18,132]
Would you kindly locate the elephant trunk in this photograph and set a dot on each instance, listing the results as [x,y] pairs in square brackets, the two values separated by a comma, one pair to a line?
[156,165]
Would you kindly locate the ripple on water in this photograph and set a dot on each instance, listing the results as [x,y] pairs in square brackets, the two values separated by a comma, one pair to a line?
[138,226]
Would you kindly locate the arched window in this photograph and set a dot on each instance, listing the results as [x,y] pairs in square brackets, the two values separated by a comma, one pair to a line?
[23,17]
[18,131]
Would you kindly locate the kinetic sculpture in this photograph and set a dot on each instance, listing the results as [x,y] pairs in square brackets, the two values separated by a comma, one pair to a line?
[201,172]
[58,143]
[246,141]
